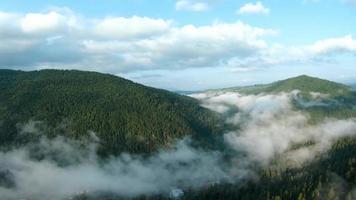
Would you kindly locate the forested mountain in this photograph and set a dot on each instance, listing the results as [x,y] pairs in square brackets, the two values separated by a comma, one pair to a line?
[321,98]
[303,83]
[129,117]
[124,115]
[331,175]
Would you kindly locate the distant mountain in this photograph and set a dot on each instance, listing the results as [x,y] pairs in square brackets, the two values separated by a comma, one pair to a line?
[126,116]
[303,83]
[321,98]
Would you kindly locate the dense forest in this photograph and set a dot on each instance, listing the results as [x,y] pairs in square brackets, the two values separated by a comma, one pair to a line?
[340,101]
[303,83]
[129,117]
[330,176]
[124,115]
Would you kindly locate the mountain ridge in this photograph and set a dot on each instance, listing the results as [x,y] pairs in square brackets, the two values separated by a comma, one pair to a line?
[125,115]
[304,83]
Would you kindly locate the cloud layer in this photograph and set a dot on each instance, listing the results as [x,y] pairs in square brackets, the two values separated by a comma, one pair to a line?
[270,127]
[62,39]
[117,44]
[126,175]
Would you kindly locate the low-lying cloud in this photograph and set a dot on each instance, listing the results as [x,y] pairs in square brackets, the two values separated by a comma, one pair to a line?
[267,127]
[65,171]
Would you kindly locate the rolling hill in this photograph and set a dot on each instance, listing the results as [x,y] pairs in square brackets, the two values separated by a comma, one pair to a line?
[303,83]
[320,98]
[126,116]
[330,175]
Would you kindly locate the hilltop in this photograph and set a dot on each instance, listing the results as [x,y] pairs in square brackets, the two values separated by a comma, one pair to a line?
[319,97]
[305,84]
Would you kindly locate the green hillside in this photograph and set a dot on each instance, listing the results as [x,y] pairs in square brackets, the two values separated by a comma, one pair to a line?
[305,84]
[330,175]
[125,116]
[309,84]
[338,100]
[131,117]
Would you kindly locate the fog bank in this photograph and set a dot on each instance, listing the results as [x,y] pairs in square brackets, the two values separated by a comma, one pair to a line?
[267,126]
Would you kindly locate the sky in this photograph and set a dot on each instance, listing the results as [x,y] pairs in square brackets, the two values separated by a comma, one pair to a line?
[183,44]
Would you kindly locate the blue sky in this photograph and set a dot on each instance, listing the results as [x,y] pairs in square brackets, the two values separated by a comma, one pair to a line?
[183,44]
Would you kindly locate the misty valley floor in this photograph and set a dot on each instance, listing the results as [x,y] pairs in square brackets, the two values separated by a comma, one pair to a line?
[110,138]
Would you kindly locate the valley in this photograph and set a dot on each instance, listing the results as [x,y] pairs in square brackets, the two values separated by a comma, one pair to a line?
[68,134]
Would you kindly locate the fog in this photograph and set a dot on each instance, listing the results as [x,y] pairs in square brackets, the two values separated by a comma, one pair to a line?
[267,126]
[125,175]
[270,126]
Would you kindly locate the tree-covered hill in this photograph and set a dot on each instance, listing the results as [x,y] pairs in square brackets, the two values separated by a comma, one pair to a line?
[320,98]
[330,175]
[303,83]
[125,116]
[129,117]
[309,84]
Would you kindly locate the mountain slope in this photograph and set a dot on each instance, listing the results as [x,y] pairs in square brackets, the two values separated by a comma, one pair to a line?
[303,83]
[320,98]
[130,117]
[329,175]
[125,116]
[310,84]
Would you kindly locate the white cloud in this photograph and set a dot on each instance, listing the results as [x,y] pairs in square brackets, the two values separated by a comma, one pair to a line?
[269,126]
[118,44]
[121,27]
[251,8]
[62,39]
[192,5]
[184,47]
[126,175]
[334,45]
[318,52]
[43,23]
[5,17]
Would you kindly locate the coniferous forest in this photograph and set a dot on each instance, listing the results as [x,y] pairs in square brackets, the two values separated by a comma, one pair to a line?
[126,117]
